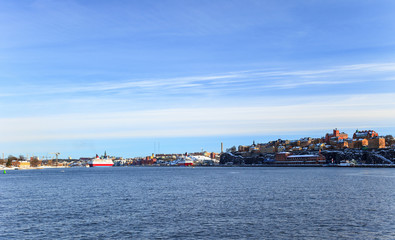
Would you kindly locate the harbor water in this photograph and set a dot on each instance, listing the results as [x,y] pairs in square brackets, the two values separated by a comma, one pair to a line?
[198,203]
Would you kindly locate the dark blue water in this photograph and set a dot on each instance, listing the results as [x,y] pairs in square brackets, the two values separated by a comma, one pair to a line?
[204,203]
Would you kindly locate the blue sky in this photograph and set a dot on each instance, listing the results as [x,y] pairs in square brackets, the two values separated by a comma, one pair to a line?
[81,77]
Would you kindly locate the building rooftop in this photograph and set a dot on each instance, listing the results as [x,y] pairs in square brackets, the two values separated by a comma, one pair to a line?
[296,156]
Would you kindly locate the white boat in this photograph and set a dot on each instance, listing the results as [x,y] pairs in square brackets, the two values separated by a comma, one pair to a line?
[185,161]
[101,162]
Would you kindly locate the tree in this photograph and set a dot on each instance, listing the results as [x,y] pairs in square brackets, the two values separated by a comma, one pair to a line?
[232,149]
[389,140]
[34,162]
[9,163]
[10,159]
[389,137]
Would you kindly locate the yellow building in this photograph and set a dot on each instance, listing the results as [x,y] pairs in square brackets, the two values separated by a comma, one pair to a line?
[24,164]
[267,149]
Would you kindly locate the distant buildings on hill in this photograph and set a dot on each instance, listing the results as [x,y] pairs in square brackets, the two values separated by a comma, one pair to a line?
[367,139]
[301,151]
[307,150]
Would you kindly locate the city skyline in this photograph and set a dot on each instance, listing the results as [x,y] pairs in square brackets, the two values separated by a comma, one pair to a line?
[82,77]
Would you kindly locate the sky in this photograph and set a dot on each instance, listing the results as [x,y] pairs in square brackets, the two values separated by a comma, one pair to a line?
[139,77]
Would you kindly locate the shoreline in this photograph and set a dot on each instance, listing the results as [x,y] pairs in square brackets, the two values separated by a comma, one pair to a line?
[30,168]
[275,165]
[314,166]
[223,166]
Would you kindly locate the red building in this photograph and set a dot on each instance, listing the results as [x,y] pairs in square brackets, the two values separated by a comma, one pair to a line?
[336,136]
[212,155]
[287,158]
[282,156]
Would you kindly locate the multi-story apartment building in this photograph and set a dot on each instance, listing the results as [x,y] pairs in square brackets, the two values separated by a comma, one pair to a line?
[366,134]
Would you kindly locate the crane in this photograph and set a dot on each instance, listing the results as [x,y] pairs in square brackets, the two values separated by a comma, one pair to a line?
[57,154]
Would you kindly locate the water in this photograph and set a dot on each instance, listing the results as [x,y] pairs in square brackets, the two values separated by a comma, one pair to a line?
[203,203]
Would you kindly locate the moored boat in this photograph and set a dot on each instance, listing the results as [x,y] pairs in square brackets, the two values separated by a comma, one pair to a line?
[101,162]
[185,161]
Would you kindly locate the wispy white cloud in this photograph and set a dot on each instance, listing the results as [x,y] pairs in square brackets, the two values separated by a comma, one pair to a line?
[375,110]
[239,81]
[197,105]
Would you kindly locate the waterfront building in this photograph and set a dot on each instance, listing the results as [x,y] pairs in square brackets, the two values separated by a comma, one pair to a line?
[213,155]
[282,156]
[288,158]
[24,164]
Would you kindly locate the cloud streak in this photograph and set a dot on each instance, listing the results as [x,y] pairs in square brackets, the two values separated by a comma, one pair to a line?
[226,82]
[349,112]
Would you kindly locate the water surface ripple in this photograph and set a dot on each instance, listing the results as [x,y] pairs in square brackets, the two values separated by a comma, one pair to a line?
[198,203]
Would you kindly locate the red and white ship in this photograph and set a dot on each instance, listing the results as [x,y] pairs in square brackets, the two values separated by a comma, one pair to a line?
[185,161]
[101,162]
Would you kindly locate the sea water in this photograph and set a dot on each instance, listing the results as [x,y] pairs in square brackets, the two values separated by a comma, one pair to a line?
[198,203]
